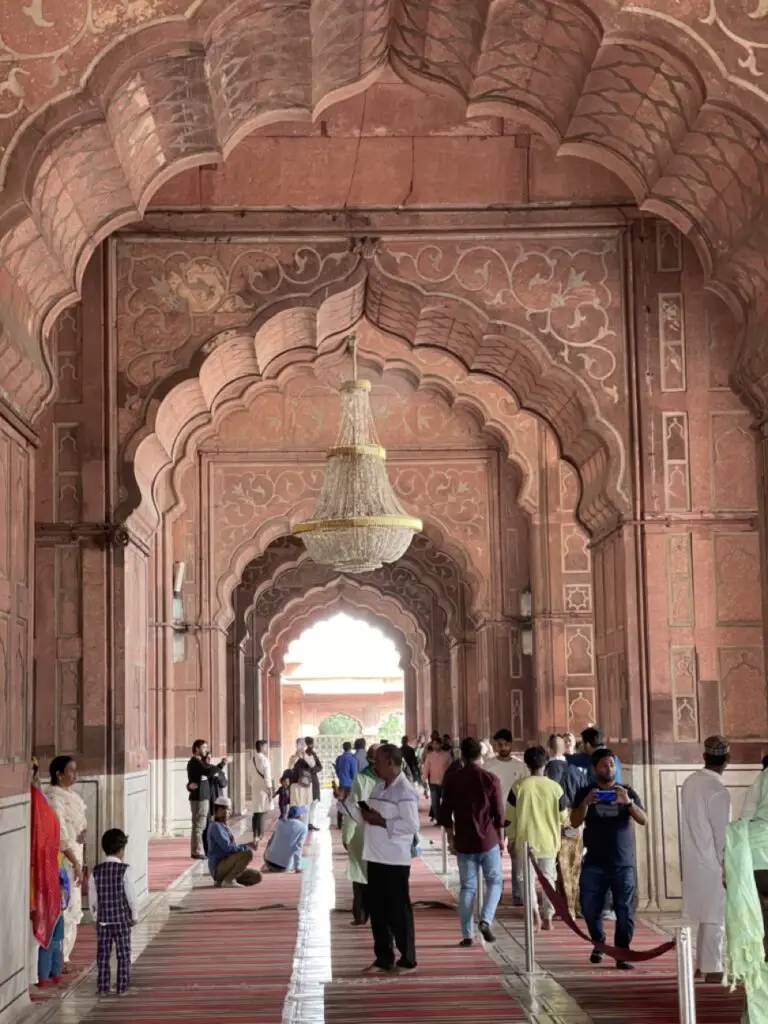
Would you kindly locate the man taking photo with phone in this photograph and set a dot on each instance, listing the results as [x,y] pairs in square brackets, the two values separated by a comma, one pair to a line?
[607,811]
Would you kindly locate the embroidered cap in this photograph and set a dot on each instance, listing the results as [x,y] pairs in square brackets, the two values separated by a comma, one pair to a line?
[716,746]
[222,801]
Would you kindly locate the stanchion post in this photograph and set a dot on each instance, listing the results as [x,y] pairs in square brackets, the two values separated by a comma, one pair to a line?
[530,953]
[445,851]
[686,990]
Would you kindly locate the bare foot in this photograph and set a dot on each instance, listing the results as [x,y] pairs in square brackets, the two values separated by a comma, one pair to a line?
[547,924]
[537,922]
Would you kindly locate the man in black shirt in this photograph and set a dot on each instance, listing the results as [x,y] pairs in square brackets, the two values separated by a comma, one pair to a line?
[199,776]
[607,811]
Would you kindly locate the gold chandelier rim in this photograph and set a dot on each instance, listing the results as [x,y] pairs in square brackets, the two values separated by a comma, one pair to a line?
[376,451]
[358,384]
[360,523]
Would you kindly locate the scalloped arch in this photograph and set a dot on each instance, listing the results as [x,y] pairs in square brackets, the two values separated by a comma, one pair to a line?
[495,357]
[342,595]
[183,91]
[278,527]
[299,560]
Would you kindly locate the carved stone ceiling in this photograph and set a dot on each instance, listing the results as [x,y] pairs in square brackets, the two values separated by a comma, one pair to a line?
[101,102]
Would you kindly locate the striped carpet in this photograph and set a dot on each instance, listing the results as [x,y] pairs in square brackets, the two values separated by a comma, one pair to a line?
[229,955]
[168,859]
[451,984]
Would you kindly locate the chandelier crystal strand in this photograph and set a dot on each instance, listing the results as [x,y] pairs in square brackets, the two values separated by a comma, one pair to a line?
[358,523]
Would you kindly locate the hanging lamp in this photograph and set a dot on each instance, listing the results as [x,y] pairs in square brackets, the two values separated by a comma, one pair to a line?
[358,523]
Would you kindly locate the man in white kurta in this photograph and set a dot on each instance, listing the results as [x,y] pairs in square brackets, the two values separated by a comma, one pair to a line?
[705,811]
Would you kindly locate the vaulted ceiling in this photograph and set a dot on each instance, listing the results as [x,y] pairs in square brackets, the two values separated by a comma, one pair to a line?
[102,102]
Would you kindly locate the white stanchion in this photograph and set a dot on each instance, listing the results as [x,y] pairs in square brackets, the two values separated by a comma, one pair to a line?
[445,850]
[528,889]
[686,989]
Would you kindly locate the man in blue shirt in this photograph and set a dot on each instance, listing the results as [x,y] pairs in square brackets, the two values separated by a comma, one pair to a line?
[284,848]
[228,860]
[346,770]
[591,740]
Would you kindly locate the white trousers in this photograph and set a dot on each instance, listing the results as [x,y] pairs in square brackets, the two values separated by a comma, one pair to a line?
[73,915]
[312,812]
[710,940]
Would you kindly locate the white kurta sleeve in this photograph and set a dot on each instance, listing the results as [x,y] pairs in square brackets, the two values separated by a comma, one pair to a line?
[720,816]
[93,900]
[129,888]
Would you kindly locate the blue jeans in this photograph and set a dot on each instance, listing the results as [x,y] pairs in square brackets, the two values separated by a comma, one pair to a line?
[596,883]
[469,865]
[50,961]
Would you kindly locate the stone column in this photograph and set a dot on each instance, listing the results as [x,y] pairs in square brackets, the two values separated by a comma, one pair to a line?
[92,575]
[464,704]
[236,718]
[16,616]
[413,682]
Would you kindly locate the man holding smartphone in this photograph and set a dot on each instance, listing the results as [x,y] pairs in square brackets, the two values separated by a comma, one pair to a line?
[607,811]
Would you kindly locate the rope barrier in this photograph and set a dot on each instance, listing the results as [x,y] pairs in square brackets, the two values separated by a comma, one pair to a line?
[561,906]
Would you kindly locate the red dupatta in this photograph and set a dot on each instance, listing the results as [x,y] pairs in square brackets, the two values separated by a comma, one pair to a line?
[45,894]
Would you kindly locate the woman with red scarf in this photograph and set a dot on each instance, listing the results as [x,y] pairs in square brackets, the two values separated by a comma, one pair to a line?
[45,893]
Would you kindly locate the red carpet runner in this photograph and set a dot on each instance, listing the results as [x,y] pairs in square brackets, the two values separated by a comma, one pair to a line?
[227,955]
[451,984]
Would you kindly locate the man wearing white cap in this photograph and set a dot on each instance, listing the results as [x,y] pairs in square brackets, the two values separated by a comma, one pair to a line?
[705,811]
[227,861]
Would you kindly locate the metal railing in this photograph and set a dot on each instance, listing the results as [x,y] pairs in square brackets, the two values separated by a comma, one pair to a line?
[686,989]
[530,931]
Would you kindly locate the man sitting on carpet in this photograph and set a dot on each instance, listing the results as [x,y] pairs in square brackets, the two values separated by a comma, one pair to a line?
[286,843]
[227,861]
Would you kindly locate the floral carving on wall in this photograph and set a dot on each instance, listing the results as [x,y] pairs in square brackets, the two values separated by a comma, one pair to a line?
[566,295]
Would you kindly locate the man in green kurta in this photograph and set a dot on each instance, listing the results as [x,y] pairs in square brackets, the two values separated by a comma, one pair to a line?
[352,836]
[746,903]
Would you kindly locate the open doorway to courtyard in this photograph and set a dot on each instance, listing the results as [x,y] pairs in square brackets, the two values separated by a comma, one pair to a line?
[342,680]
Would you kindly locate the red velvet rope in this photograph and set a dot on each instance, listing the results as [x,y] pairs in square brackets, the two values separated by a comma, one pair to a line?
[561,906]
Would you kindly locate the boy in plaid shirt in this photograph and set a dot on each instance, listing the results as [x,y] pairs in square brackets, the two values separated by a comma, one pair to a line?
[112,898]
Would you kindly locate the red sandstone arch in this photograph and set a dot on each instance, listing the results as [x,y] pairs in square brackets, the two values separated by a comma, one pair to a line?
[191,414]
[301,573]
[350,596]
[278,527]
[681,118]
[484,352]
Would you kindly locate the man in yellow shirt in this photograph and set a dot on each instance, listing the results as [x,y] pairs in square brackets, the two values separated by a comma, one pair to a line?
[537,812]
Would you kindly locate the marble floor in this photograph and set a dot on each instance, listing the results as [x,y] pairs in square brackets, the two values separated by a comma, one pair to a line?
[285,952]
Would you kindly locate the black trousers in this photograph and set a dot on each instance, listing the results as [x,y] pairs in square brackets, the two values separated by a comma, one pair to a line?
[257,824]
[389,904]
[360,912]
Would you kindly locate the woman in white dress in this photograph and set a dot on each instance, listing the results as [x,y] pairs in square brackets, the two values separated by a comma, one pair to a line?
[70,810]
[262,788]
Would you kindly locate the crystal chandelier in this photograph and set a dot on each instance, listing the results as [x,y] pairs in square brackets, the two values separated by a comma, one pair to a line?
[358,523]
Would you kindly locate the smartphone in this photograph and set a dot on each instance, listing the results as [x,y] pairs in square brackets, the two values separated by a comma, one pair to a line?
[606,796]
[363,805]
